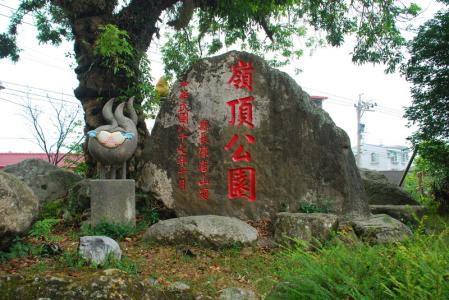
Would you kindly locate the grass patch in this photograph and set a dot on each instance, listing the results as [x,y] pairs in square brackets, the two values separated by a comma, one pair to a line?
[116,231]
[43,230]
[415,269]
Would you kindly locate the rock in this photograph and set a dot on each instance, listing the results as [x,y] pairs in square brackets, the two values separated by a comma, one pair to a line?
[306,227]
[113,201]
[234,293]
[98,248]
[298,154]
[47,181]
[85,286]
[381,191]
[403,213]
[208,231]
[178,287]
[379,229]
[78,199]
[19,207]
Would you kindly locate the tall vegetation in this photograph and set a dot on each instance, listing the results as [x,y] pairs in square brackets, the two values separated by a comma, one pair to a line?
[428,71]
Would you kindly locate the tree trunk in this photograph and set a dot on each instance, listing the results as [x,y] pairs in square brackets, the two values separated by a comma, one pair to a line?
[98,84]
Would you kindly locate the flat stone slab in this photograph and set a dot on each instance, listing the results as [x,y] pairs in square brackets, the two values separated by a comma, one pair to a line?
[209,231]
[306,227]
[112,201]
[403,213]
[234,293]
[379,229]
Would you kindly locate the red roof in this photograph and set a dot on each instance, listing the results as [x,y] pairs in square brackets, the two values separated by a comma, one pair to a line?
[314,98]
[9,158]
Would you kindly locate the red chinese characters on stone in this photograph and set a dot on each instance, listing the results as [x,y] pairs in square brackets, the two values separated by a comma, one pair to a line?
[238,155]
[242,76]
[203,154]
[241,180]
[245,111]
[242,183]
[183,119]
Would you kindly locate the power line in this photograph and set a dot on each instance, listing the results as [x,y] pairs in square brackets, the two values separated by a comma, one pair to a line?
[36,88]
[43,96]
[42,100]
[22,22]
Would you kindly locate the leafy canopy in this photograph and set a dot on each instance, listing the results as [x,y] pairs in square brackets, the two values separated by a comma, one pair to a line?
[428,71]
[239,22]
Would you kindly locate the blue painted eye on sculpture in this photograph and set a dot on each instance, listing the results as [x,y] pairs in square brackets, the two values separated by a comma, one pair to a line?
[113,144]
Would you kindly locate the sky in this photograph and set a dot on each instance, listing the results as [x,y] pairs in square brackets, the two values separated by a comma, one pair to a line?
[45,72]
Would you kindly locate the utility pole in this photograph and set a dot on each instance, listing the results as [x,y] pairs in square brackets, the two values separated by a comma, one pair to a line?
[361,107]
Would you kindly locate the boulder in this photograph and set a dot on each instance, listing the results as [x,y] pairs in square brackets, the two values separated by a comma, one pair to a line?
[381,191]
[306,227]
[379,229]
[208,231]
[234,293]
[19,207]
[403,213]
[97,248]
[47,181]
[248,153]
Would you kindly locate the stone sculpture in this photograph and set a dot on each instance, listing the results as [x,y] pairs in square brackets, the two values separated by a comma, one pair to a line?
[113,144]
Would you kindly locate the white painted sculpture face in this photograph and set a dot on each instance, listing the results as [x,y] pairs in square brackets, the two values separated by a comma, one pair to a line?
[111,139]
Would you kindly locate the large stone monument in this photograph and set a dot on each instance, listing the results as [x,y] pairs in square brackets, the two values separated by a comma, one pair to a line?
[239,138]
[111,145]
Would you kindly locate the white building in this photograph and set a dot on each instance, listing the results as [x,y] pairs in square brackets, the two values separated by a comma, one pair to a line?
[383,158]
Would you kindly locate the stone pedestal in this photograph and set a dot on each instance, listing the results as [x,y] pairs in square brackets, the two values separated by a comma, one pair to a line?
[113,201]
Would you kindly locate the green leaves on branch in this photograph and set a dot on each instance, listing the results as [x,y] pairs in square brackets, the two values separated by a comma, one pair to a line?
[280,30]
[114,48]
[115,52]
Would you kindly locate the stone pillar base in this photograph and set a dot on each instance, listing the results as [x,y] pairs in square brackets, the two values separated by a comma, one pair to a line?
[113,201]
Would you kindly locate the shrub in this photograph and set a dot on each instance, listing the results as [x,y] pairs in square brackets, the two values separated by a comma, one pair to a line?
[42,229]
[415,269]
[115,231]
[19,249]
[307,207]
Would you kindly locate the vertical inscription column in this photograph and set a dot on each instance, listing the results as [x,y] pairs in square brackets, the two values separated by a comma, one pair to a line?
[242,178]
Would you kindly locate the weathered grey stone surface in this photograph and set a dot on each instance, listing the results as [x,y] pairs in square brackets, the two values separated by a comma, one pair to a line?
[380,229]
[300,155]
[234,293]
[19,207]
[381,191]
[47,181]
[403,213]
[113,201]
[86,286]
[97,248]
[179,287]
[208,230]
[306,227]
[78,198]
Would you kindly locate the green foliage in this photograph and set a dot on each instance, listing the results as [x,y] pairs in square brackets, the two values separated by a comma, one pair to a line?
[428,71]
[72,260]
[286,27]
[19,249]
[52,210]
[307,207]
[43,229]
[150,215]
[115,231]
[113,46]
[416,269]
